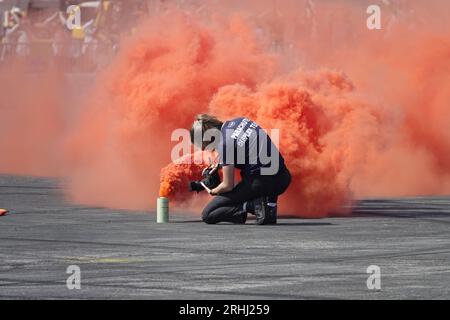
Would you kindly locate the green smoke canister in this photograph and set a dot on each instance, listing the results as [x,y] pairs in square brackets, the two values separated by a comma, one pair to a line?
[162,210]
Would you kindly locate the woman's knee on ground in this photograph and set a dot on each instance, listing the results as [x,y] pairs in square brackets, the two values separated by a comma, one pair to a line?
[217,202]
[207,216]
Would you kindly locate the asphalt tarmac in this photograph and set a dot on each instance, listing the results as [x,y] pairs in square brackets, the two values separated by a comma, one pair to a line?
[127,255]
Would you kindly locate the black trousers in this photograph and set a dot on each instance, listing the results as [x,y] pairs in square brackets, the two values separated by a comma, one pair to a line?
[227,207]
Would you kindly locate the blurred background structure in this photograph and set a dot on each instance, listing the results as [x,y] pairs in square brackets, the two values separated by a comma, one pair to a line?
[34,30]
[41,32]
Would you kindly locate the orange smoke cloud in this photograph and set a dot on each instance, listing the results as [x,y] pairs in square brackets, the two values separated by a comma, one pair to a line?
[176,176]
[361,113]
[31,121]
[317,115]
[123,140]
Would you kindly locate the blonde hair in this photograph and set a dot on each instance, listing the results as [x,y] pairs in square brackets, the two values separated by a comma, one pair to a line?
[202,123]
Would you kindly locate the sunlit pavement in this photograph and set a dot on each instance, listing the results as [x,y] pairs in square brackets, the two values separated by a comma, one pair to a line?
[126,255]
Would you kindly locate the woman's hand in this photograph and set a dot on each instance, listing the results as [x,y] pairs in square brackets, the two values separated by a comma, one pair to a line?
[228,181]
[210,191]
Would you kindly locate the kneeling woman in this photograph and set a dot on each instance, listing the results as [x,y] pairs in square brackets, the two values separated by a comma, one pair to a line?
[243,145]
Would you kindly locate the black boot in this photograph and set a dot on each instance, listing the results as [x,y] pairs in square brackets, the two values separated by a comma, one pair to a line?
[271,213]
[265,211]
[239,217]
[260,209]
[242,218]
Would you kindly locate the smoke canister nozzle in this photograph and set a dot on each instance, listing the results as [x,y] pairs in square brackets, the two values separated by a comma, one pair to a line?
[162,210]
